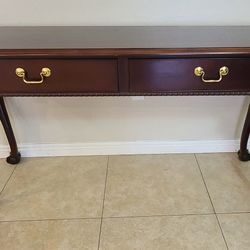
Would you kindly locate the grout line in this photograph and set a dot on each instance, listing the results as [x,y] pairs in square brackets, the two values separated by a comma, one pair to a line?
[224,238]
[203,179]
[202,176]
[121,217]
[8,180]
[104,194]
[108,217]
[221,230]
[59,219]
[228,213]
[157,215]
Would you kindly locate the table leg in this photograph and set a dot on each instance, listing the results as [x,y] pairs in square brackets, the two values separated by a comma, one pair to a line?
[243,152]
[15,156]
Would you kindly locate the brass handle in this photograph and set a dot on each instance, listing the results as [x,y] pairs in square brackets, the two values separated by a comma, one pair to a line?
[45,72]
[198,71]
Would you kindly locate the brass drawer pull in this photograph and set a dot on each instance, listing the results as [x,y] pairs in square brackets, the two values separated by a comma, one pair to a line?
[45,72]
[198,71]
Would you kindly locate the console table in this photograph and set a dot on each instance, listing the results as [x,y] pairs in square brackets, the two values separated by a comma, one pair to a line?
[98,61]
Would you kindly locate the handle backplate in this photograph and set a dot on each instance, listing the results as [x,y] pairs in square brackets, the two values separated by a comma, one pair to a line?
[45,72]
[198,71]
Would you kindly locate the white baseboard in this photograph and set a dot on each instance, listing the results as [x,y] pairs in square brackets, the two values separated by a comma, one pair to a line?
[116,148]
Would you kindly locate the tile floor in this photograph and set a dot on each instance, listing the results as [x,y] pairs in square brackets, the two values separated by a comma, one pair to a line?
[144,202]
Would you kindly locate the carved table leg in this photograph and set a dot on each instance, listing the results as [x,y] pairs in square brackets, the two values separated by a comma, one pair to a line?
[15,156]
[243,152]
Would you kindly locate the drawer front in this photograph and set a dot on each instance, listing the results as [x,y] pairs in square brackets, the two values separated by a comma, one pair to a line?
[67,76]
[173,75]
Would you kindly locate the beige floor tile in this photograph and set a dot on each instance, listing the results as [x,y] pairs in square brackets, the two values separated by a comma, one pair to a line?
[236,228]
[50,235]
[5,172]
[162,233]
[56,187]
[153,185]
[228,181]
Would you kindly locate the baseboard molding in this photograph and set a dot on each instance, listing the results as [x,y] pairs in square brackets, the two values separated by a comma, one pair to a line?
[116,148]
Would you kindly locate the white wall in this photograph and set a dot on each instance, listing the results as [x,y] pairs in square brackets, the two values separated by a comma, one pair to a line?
[124,12]
[122,119]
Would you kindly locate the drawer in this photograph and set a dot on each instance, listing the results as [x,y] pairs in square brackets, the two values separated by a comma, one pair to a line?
[68,76]
[163,75]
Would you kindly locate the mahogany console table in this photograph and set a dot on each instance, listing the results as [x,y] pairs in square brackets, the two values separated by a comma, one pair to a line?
[97,61]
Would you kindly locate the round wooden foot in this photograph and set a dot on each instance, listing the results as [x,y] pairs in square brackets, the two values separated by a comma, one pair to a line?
[14,159]
[244,155]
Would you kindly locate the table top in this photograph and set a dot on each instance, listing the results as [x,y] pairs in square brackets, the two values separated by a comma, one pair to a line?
[103,37]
